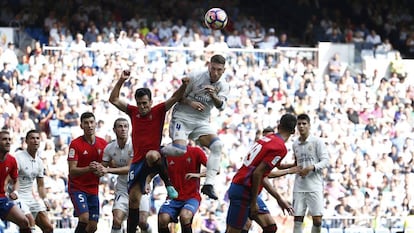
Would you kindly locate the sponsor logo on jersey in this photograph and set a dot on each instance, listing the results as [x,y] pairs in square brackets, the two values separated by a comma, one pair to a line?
[72,153]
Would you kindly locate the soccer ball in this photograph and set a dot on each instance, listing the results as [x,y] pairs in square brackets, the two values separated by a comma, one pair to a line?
[216,18]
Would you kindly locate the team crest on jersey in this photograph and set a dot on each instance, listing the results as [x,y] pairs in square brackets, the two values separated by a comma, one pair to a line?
[171,163]
[275,160]
[310,148]
[85,152]
[188,160]
[99,151]
[7,169]
[71,153]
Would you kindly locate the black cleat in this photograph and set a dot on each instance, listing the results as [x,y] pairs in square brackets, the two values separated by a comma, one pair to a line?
[208,190]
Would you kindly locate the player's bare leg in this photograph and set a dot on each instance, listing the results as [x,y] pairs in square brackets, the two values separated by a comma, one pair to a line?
[16,216]
[42,220]
[154,158]
[118,218]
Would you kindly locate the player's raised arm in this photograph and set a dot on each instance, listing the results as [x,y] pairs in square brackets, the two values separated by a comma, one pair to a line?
[177,95]
[114,97]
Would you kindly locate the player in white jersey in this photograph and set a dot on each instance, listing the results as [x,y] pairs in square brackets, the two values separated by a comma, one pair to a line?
[311,156]
[191,117]
[116,160]
[30,168]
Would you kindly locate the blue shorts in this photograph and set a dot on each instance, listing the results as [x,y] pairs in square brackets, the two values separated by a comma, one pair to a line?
[138,172]
[239,208]
[173,207]
[5,207]
[83,202]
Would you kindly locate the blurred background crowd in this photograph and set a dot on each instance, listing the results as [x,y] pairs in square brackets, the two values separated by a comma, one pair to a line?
[366,120]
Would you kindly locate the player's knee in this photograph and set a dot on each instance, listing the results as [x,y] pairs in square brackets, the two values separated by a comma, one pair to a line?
[317,221]
[152,157]
[143,224]
[174,149]
[91,227]
[163,220]
[23,223]
[186,218]
[47,228]
[216,147]
[117,221]
[270,229]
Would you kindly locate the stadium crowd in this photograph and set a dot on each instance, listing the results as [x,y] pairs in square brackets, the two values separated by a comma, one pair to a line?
[365,120]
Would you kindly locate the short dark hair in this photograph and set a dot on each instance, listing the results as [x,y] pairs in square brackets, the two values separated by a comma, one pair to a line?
[304,116]
[119,120]
[288,123]
[30,132]
[143,91]
[268,130]
[87,115]
[218,59]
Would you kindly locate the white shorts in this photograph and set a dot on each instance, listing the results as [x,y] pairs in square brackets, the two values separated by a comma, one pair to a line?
[121,202]
[32,206]
[183,130]
[313,201]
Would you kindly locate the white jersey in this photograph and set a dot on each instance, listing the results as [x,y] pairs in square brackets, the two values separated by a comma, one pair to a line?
[121,158]
[29,169]
[310,152]
[196,92]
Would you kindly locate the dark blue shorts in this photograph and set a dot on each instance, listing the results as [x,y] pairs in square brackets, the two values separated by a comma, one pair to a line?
[138,172]
[83,202]
[239,208]
[5,207]
[173,207]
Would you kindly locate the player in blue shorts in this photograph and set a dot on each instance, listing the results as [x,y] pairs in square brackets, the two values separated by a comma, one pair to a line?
[184,172]
[8,168]
[245,202]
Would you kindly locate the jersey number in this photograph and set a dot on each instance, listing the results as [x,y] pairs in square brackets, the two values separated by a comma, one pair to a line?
[254,151]
[131,175]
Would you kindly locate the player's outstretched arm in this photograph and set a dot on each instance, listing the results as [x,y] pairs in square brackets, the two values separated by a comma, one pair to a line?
[178,94]
[272,191]
[282,172]
[114,96]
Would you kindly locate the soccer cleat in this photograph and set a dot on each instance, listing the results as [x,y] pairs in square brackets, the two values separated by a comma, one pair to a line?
[172,193]
[208,190]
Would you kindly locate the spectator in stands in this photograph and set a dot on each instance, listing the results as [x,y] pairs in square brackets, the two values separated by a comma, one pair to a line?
[6,81]
[283,41]
[234,40]
[335,68]
[152,37]
[373,38]
[210,224]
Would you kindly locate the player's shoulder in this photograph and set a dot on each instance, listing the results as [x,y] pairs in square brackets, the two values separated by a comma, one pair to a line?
[77,140]
[101,140]
[111,145]
[195,149]
[200,74]
[11,158]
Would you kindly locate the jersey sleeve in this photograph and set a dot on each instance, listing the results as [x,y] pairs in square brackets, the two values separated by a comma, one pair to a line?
[106,155]
[14,173]
[201,155]
[73,152]
[42,171]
